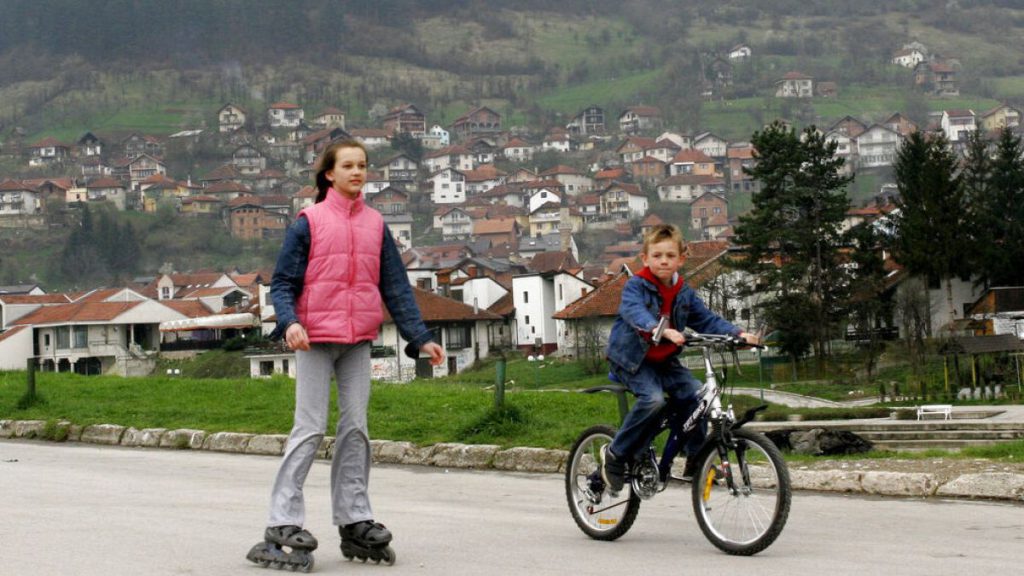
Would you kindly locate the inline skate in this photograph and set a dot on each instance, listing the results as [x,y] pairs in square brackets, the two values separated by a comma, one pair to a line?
[283,547]
[367,540]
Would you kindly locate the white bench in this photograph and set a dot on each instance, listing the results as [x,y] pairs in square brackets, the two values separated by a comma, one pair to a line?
[944,410]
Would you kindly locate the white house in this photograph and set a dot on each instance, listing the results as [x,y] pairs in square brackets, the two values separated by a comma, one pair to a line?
[711,144]
[909,57]
[533,296]
[230,118]
[447,187]
[17,199]
[518,150]
[740,52]
[877,146]
[98,337]
[623,201]
[285,115]
[454,223]
[958,124]
[794,85]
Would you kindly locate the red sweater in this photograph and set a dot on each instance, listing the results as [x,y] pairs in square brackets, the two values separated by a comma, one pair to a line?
[666,348]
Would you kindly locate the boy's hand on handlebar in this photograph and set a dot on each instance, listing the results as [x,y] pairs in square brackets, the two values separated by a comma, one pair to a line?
[675,336]
[751,339]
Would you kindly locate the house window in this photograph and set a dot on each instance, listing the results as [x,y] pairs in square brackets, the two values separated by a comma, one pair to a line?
[81,337]
[63,338]
[458,337]
[527,319]
[526,297]
[423,283]
[165,292]
[284,366]
[266,367]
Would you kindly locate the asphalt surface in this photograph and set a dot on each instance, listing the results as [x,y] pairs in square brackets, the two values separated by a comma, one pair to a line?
[86,510]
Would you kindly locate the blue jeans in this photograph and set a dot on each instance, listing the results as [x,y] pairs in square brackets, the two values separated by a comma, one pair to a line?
[650,385]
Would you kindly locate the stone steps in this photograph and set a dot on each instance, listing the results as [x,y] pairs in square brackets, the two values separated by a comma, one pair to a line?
[915,434]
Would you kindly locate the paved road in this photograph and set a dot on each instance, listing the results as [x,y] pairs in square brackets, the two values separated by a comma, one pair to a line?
[85,510]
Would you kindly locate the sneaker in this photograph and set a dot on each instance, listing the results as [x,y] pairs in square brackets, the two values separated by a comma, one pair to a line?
[689,470]
[613,472]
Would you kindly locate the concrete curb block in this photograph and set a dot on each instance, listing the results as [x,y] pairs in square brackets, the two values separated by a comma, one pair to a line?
[991,485]
[1002,485]
[108,434]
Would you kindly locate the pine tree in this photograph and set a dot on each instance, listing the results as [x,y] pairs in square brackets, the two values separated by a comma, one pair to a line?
[997,214]
[930,220]
[791,236]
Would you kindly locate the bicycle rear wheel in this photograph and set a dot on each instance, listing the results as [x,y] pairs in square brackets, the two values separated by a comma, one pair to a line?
[596,513]
[746,517]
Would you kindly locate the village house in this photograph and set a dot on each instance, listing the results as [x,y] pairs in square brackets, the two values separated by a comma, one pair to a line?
[740,156]
[496,231]
[688,187]
[401,170]
[406,118]
[573,181]
[937,77]
[709,215]
[447,186]
[692,162]
[457,157]
[248,160]
[480,121]
[957,125]
[588,122]
[106,189]
[634,148]
[711,144]
[794,85]
[909,57]
[89,145]
[638,119]
[557,140]
[48,151]
[285,115]
[740,52]
[548,219]
[390,200]
[400,226]
[648,170]
[1002,116]
[371,137]
[330,117]
[623,201]
[118,337]
[258,217]
[17,199]
[877,146]
[453,222]
[230,118]
[436,138]
[517,150]
[900,124]
[483,178]
[137,144]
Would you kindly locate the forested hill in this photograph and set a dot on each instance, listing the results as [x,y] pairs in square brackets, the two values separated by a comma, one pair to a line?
[534,60]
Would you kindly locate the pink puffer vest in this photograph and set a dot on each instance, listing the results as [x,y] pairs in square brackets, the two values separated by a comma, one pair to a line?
[340,300]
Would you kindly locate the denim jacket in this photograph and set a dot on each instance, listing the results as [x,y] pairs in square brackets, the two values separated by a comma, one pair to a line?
[289,275]
[639,312]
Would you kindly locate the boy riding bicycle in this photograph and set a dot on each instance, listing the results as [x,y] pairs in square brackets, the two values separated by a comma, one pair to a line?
[650,366]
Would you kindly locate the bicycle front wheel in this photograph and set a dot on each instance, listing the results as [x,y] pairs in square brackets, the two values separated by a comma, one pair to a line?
[744,516]
[595,511]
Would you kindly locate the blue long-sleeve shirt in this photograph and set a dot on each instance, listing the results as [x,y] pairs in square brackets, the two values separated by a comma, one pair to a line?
[289,279]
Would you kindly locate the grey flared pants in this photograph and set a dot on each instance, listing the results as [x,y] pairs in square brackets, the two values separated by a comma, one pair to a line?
[350,466]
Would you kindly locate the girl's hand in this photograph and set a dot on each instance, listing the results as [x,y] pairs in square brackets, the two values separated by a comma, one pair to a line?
[435,351]
[296,338]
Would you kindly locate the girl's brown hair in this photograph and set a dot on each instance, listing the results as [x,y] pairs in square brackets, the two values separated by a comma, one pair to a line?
[325,164]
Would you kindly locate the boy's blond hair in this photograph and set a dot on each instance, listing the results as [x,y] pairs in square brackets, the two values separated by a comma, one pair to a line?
[663,232]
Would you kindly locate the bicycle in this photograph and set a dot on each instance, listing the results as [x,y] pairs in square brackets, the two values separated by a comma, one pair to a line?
[740,491]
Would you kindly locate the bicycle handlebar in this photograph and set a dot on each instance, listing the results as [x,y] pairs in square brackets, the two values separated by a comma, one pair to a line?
[697,340]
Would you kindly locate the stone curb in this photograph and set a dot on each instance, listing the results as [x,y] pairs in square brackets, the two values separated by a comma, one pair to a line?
[990,485]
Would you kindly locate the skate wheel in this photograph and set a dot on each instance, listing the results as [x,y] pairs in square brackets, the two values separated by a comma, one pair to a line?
[388,556]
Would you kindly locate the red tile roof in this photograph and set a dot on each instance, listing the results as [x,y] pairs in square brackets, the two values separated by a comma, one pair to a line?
[435,308]
[77,313]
